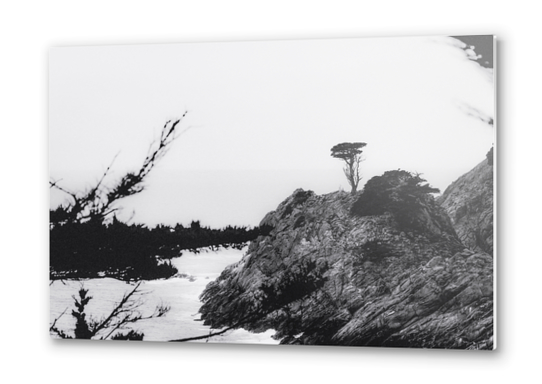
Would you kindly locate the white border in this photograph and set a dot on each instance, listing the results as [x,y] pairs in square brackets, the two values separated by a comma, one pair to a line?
[28,29]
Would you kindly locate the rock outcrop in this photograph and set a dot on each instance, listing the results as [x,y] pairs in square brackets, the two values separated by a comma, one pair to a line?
[325,276]
[468,201]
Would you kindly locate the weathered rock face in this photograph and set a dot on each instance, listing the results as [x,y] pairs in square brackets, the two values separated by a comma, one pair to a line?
[469,203]
[324,276]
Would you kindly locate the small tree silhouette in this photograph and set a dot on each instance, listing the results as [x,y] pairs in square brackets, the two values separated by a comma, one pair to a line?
[350,153]
[126,312]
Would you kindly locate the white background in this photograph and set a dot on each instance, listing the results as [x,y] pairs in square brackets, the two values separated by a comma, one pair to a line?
[29,29]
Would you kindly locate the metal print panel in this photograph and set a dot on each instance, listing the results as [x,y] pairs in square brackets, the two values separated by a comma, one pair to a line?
[311,192]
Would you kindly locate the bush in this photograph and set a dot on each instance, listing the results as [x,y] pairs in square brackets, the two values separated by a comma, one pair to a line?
[399,192]
[125,313]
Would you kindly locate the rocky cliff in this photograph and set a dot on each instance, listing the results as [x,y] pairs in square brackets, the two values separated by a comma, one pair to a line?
[468,201]
[325,276]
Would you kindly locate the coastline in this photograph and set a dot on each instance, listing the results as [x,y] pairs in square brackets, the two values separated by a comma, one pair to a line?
[181,293]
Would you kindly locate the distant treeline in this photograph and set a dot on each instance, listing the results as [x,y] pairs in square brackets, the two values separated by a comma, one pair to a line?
[86,239]
[134,252]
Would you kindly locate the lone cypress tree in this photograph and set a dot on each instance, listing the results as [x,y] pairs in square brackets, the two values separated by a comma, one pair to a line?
[350,153]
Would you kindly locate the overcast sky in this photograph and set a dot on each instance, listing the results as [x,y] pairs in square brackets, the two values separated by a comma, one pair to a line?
[262,117]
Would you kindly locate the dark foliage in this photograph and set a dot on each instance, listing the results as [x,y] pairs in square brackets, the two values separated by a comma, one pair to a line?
[134,252]
[86,239]
[350,153]
[100,201]
[132,335]
[109,327]
[399,192]
[82,329]
[83,240]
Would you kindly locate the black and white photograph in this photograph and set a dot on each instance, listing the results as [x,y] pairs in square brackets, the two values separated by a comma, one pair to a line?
[327,192]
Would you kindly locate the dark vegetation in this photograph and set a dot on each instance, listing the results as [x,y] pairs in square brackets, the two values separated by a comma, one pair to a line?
[400,193]
[350,153]
[134,252]
[98,203]
[109,327]
[87,240]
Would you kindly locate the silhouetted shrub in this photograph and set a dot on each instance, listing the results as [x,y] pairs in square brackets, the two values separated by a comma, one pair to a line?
[125,313]
[134,252]
[399,192]
[132,335]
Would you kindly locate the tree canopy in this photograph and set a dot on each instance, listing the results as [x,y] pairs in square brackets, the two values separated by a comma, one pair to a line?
[399,192]
[350,153]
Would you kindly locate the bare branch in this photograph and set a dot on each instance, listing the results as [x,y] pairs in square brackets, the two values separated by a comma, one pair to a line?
[116,311]
[125,313]
[205,336]
[54,184]
[97,203]
[54,329]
